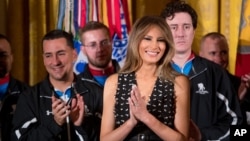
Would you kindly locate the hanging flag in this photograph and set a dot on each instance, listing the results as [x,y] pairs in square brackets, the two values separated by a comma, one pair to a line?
[120,38]
[61,14]
[83,18]
[243,55]
[116,14]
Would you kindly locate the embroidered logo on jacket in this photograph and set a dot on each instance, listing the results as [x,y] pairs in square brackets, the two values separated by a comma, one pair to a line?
[202,89]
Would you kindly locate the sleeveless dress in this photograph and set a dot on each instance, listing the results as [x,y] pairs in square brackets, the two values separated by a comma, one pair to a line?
[161,104]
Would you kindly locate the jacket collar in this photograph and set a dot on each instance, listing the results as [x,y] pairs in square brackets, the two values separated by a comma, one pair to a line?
[199,66]
[87,75]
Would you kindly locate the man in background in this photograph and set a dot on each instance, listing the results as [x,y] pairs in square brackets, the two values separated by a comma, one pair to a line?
[97,47]
[214,103]
[214,47]
[10,88]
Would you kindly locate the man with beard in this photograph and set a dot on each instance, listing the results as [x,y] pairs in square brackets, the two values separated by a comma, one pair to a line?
[10,88]
[97,47]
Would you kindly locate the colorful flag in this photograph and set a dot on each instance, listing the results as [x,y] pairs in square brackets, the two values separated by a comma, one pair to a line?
[120,38]
[116,14]
[243,55]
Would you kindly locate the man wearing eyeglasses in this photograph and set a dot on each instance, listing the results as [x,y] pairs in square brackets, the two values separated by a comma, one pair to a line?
[97,47]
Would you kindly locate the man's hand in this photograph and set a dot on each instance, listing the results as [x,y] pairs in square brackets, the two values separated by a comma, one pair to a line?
[60,110]
[244,86]
[77,110]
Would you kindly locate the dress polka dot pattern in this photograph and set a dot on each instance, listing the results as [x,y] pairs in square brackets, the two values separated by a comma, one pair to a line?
[161,103]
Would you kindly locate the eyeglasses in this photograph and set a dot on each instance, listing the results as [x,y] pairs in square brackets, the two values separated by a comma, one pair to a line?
[94,45]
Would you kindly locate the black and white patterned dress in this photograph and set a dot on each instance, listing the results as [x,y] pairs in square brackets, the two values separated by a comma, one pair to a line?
[161,103]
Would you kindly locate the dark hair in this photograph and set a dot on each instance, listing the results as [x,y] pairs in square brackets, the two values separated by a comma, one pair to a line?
[179,6]
[93,25]
[4,37]
[57,33]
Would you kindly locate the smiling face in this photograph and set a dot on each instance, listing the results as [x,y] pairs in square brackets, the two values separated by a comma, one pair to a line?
[58,59]
[182,30]
[6,58]
[152,46]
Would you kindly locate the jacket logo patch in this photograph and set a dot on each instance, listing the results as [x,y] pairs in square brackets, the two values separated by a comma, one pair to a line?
[49,113]
[202,90]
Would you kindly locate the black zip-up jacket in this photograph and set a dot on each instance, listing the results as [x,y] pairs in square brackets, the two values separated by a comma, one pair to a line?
[34,121]
[245,101]
[214,102]
[94,88]
[8,104]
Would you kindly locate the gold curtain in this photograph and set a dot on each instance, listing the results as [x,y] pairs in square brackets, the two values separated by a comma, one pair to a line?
[230,27]
[16,30]
[3,16]
[27,22]
[208,19]
[147,7]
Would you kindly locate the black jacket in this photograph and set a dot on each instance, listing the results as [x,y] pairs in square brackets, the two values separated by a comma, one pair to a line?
[214,102]
[15,88]
[33,119]
[94,88]
[245,102]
